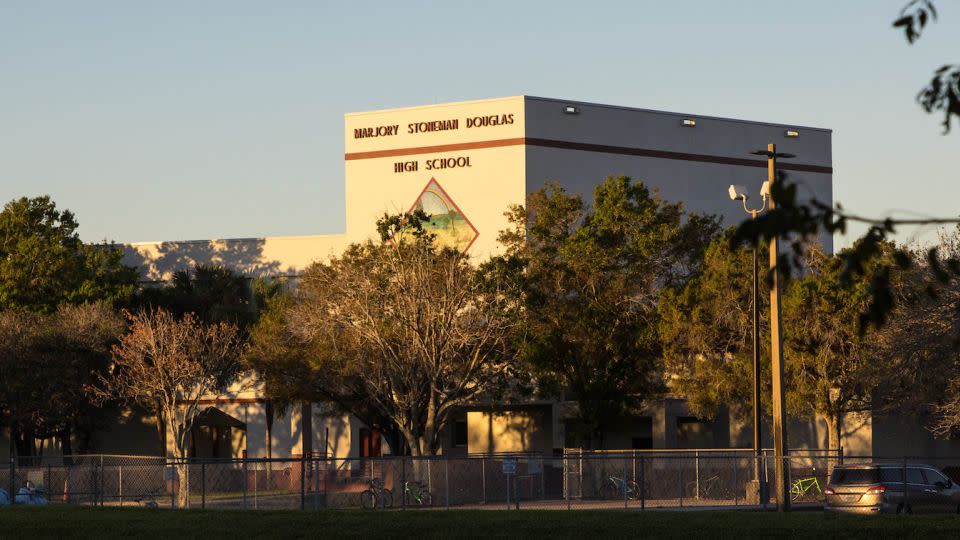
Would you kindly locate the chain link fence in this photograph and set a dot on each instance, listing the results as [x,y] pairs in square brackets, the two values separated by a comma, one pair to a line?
[573,480]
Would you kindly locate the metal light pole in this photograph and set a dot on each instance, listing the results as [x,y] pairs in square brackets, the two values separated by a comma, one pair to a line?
[776,348]
[738,193]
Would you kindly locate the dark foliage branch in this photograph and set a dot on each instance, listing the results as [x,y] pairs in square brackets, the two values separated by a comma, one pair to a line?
[802,223]
[942,93]
[914,17]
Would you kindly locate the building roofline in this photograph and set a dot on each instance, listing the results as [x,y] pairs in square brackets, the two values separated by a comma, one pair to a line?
[434,105]
[585,103]
[248,239]
[674,113]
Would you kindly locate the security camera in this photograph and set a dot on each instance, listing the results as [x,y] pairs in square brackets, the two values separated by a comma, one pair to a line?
[765,189]
[737,192]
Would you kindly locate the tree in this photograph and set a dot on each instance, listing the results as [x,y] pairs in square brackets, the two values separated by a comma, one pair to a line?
[45,363]
[214,293]
[833,368]
[706,328]
[590,280]
[43,263]
[399,332]
[921,336]
[167,365]
[942,93]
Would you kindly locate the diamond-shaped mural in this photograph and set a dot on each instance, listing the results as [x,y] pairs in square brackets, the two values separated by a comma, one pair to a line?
[447,222]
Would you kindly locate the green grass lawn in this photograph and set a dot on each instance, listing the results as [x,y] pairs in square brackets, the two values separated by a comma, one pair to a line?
[91,522]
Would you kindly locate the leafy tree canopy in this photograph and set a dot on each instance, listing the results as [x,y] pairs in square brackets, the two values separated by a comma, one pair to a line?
[43,263]
[590,279]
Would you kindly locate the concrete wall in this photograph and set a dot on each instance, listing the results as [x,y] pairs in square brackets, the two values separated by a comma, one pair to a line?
[523,429]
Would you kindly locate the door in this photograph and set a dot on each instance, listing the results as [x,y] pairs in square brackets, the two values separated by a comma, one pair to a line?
[944,491]
[920,496]
[369,443]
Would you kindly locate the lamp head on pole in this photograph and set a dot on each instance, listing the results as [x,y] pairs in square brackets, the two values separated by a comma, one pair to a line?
[765,189]
[737,192]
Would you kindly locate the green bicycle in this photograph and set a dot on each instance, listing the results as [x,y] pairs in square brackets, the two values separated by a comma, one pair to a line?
[414,493]
[802,486]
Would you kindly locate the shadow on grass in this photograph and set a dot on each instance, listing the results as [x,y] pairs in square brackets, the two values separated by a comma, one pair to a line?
[86,522]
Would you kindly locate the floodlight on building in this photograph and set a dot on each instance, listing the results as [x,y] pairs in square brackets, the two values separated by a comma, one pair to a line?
[792,133]
[689,122]
[571,109]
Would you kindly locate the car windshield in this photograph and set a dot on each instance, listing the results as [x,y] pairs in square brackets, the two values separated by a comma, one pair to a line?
[855,476]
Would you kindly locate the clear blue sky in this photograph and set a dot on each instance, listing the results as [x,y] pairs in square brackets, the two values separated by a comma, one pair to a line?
[207,119]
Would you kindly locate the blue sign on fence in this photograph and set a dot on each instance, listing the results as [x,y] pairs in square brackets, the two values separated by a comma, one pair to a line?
[510,466]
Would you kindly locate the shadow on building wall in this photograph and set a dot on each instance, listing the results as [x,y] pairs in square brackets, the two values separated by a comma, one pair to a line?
[157,262]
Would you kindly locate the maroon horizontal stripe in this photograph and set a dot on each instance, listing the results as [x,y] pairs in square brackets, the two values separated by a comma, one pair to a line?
[681,156]
[433,149]
[586,147]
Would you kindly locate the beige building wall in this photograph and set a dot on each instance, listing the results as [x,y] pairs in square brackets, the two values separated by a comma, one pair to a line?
[524,429]
[480,166]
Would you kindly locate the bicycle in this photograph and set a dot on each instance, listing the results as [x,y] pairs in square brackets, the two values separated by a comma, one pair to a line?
[376,495]
[704,488]
[416,493]
[802,486]
[614,486]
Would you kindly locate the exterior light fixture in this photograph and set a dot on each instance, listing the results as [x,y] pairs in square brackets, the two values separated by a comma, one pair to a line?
[689,122]
[571,109]
[792,133]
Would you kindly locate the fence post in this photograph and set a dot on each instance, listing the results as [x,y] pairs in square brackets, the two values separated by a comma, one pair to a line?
[403,481]
[483,477]
[119,481]
[765,486]
[643,484]
[303,480]
[100,483]
[173,487]
[580,476]
[905,490]
[736,486]
[508,490]
[246,474]
[543,480]
[446,479]
[13,471]
[566,479]
[625,484]
[679,461]
[840,454]
[316,484]
[203,485]
[696,472]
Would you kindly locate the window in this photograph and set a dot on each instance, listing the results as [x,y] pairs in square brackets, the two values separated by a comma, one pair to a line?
[460,433]
[641,443]
[934,476]
[855,476]
[891,475]
[915,476]
[693,433]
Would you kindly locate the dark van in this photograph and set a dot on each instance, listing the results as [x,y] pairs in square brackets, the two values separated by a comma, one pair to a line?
[880,487]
